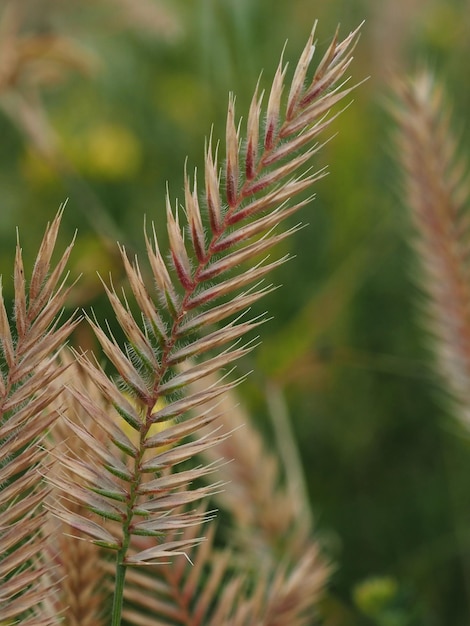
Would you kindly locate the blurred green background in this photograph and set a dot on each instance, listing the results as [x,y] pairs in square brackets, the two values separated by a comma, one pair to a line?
[101,101]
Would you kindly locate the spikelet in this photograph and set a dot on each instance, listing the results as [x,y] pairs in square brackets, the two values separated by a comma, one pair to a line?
[28,356]
[196,309]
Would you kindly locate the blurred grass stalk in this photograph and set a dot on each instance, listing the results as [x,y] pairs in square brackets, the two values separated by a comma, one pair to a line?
[35,57]
[437,196]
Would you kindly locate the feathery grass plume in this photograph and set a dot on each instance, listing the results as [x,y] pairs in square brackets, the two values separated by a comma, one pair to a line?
[437,192]
[200,287]
[28,367]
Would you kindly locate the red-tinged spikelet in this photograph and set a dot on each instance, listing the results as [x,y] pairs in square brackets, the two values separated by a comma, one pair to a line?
[196,309]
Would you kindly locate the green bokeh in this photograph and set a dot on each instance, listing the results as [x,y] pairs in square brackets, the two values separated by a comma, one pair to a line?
[386,466]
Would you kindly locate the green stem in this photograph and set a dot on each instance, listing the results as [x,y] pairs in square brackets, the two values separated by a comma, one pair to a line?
[121,567]
[118,590]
